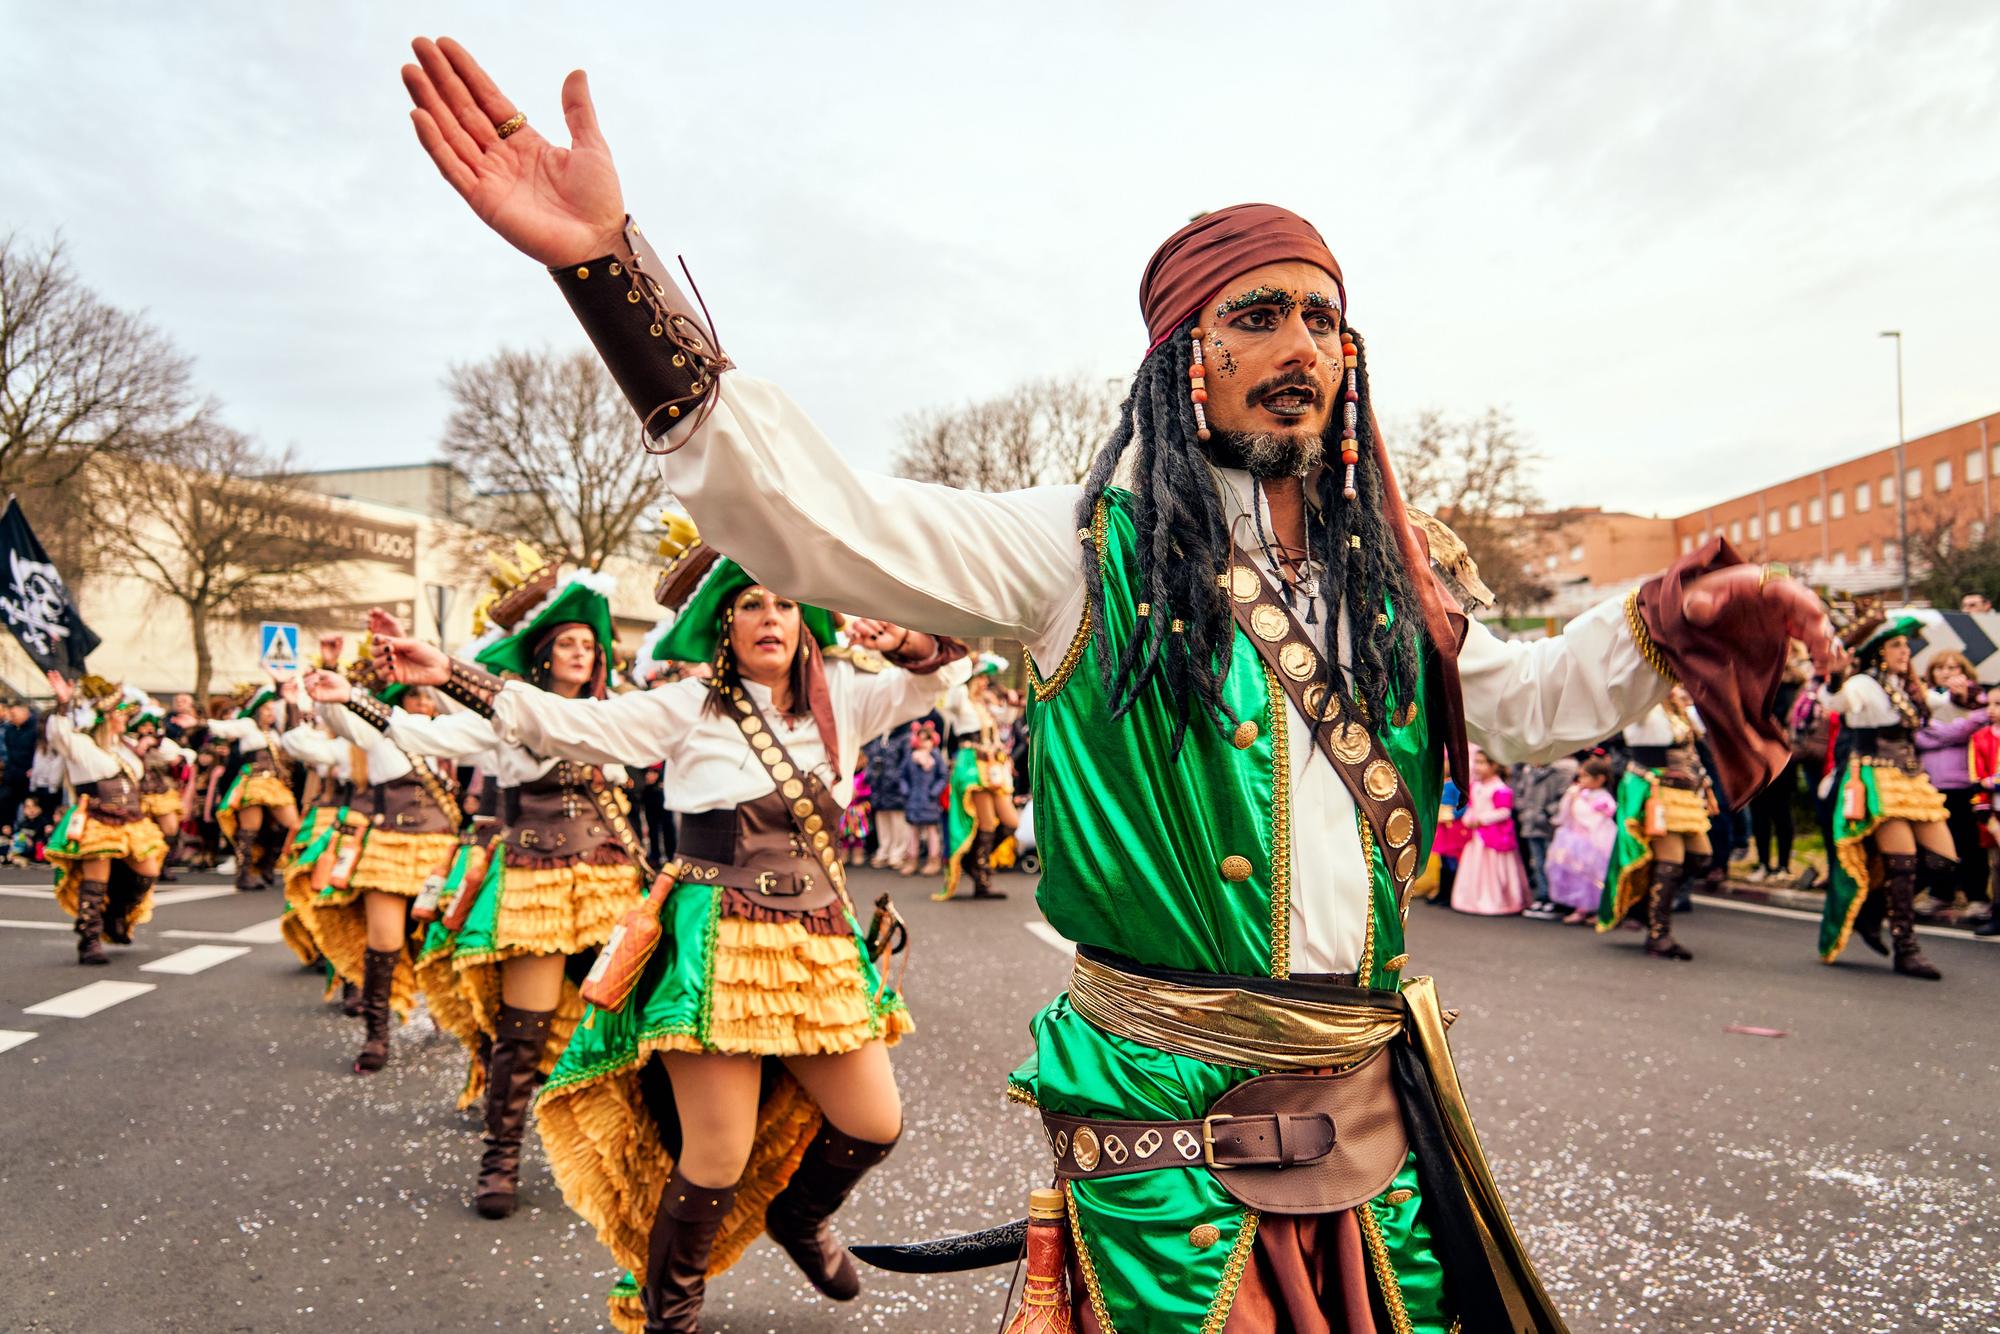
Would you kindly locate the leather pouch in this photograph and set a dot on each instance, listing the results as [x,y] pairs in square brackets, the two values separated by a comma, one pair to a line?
[1369,1143]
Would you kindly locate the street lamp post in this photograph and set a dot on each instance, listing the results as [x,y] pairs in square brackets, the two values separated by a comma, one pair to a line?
[1902,474]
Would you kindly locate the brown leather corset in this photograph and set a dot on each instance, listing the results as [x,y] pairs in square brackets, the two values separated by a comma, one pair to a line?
[112,800]
[158,779]
[1678,766]
[403,807]
[261,761]
[755,848]
[555,816]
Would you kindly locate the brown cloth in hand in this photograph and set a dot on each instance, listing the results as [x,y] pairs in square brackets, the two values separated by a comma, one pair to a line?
[1192,265]
[1731,669]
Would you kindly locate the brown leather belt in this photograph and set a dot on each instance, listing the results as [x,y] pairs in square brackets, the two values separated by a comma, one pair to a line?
[1096,1147]
[766,884]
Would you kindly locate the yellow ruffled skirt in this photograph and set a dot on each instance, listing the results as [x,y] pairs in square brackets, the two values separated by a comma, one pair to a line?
[255,790]
[156,804]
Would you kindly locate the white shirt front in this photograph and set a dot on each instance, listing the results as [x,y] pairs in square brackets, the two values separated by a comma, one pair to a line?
[469,736]
[249,737]
[707,764]
[1862,702]
[766,486]
[84,761]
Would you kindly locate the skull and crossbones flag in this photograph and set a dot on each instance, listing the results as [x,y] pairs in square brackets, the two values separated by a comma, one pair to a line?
[34,602]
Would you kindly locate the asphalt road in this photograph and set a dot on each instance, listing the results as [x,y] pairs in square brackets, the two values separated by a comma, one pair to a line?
[197,1157]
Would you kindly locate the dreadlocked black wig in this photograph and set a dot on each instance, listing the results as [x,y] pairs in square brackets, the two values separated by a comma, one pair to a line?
[1183,544]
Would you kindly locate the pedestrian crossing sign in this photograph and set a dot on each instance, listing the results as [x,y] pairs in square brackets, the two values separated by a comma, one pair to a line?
[278,646]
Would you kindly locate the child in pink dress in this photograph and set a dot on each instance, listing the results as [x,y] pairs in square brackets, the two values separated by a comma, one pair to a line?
[1491,879]
[1586,827]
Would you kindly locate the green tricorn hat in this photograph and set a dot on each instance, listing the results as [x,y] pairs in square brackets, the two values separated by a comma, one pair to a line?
[532,598]
[697,588]
[1899,627]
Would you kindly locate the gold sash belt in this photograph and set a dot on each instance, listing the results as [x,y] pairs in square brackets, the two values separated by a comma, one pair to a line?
[1228,1025]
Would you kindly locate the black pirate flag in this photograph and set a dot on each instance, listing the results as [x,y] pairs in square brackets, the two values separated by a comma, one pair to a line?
[34,602]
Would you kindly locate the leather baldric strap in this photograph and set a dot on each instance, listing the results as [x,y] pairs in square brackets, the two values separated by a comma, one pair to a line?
[813,810]
[376,714]
[615,819]
[1343,737]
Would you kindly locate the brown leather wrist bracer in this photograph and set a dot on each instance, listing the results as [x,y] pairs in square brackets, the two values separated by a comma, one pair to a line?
[369,710]
[473,687]
[946,650]
[650,335]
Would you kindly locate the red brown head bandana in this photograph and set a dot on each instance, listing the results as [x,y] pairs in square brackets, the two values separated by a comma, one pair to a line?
[1194,263]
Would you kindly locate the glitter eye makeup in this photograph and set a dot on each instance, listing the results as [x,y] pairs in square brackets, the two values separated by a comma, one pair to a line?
[1258,296]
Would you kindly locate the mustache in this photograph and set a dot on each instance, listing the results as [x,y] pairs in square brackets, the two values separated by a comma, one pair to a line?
[1292,379]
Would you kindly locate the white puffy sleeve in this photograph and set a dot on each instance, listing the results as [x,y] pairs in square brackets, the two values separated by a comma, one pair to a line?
[640,728]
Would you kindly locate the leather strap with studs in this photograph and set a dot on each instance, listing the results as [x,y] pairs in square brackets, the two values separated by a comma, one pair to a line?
[474,687]
[1343,737]
[814,812]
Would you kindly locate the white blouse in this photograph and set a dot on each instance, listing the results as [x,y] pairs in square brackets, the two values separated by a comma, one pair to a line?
[249,738]
[84,761]
[766,486]
[469,736]
[1862,702]
[385,759]
[708,766]
[311,746]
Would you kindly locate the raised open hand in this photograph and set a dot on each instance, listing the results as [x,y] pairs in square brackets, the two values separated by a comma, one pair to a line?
[411,661]
[1790,603]
[384,625]
[328,687]
[558,205]
[59,685]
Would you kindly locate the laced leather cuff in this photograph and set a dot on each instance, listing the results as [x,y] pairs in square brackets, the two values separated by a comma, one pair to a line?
[649,335]
[947,650]
[369,710]
[474,687]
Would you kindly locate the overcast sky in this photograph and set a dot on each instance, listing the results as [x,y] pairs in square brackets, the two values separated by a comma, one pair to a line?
[1663,235]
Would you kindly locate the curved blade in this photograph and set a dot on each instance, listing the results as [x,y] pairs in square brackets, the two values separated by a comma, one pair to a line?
[950,1255]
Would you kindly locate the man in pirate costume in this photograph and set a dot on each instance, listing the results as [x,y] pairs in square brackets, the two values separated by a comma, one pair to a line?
[743,1085]
[979,810]
[261,792]
[106,851]
[1886,812]
[1665,803]
[361,919]
[1249,675]
[529,910]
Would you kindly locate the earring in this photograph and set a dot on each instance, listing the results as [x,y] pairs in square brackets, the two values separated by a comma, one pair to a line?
[1350,409]
[1197,391]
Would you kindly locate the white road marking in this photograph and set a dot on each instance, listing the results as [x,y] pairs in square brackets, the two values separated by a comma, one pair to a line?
[11,1038]
[267,932]
[1800,915]
[86,1001]
[27,892]
[166,898]
[1051,937]
[20,925]
[195,959]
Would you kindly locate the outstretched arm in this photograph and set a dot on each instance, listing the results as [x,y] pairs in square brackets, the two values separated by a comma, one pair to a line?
[759,478]
[640,728]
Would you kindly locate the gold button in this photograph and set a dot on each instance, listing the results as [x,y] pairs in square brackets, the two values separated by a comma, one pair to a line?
[1395,965]
[1245,736]
[1399,1197]
[583,271]
[1204,1235]
[1236,869]
[1407,714]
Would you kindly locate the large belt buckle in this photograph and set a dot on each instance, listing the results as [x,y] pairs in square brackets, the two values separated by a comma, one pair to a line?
[767,882]
[1208,1142]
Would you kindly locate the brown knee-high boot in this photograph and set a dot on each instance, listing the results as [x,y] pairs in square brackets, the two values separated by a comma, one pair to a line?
[89,928]
[684,1230]
[1900,883]
[378,973]
[246,860]
[511,1076]
[1660,942]
[121,903]
[980,855]
[797,1219]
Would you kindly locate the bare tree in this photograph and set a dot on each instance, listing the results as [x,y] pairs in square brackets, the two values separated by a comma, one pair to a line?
[554,448]
[1040,432]
[79,381]
[1477,475]
[218,526]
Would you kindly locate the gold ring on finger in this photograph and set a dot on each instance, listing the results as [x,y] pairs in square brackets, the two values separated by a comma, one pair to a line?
[511,124]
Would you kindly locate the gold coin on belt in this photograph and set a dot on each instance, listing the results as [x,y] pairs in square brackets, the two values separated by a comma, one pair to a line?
[1350,743]
[1297,660]
[1399,826]
[1243,583]
[1268,623]
[1380,780]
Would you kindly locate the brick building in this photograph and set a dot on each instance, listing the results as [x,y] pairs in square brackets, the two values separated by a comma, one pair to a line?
[1836,527]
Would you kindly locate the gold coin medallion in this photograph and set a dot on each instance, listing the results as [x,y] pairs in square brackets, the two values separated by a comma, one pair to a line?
[1350,743]
[1085,1148]
[1406,862]
[1399,826]
[1395,965]
[1204,1235]
[1297,660]
[793,790]
[1243,583]
[782,770]
[802,807]
[1380,780]
[1236,869]
[1268,623]
[814,823]
[752,726]
[770,754]
[1245,735]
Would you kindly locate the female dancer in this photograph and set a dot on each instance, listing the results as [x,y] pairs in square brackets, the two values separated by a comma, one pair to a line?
[262,789]
[106,852]
[160,786]
[1665,800]
[563,869]
[332,817]
[362,920]
[761,955]
[982,783]
[1886,809]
